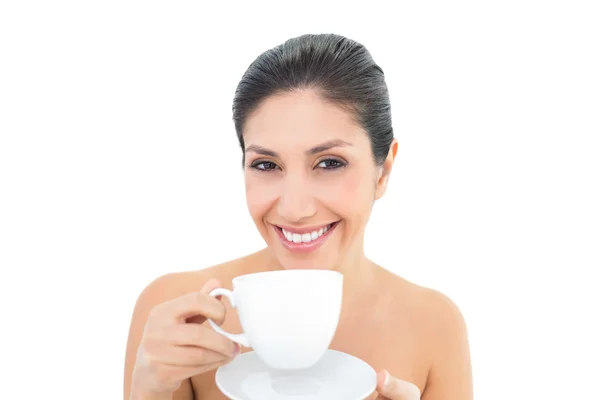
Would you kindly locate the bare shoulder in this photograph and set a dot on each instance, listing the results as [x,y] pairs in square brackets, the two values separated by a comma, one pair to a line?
[442,329]
[431,307]
[441,309]
[168,287]
[176,284]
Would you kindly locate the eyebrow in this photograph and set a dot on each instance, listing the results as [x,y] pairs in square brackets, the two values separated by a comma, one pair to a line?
[315,150]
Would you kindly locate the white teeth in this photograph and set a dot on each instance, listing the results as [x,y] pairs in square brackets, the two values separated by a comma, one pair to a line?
[304,237]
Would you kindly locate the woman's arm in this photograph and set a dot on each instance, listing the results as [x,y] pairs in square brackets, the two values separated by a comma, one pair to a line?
[450,376]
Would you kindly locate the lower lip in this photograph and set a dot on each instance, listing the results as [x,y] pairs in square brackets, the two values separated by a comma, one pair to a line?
[304,247]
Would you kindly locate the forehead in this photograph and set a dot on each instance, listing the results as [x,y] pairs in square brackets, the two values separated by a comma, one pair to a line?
[300,119]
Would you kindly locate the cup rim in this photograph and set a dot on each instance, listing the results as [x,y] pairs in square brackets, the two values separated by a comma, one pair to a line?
[247,278]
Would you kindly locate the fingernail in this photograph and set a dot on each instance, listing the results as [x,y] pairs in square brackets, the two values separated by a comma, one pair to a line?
[237,349]
[386,379]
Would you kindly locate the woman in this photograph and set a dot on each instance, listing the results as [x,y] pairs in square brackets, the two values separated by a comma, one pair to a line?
[314,122]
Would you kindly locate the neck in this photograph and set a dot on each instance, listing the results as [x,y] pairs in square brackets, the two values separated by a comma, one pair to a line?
[359,272]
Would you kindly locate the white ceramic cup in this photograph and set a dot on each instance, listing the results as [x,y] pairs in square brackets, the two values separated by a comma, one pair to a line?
[289,317]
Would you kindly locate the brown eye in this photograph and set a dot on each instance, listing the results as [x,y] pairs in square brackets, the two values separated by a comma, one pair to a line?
[331,163]
[264,165]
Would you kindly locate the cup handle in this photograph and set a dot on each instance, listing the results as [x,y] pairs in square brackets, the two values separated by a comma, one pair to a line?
[239,337]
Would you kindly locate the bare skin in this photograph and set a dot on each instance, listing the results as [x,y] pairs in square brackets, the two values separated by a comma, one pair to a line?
[413,336]
[415,333]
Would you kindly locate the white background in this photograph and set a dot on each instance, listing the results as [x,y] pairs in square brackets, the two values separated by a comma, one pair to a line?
[119,163]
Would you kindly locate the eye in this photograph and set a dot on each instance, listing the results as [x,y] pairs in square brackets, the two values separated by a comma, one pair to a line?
[331,163]
[264,165]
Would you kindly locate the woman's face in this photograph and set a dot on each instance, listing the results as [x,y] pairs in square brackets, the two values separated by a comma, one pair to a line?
[310,180]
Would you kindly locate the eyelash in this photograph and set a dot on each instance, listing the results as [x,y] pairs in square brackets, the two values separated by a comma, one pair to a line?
[339,164]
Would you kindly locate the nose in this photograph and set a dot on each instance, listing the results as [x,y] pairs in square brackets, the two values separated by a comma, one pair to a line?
[296,201]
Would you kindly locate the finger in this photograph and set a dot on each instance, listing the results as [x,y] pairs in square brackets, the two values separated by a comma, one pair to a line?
[201,336]
[392,388]
[181,372]
[211,366]
[198,304]
[188,356]
[193,304]
[208,287]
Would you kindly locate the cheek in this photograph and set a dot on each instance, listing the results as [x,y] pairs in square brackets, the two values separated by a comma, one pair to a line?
[260,196]
[350,195]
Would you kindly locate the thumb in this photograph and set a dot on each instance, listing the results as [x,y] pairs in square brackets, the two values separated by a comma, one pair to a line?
[396,389]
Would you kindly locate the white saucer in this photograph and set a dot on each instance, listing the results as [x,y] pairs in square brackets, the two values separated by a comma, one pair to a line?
[337,376]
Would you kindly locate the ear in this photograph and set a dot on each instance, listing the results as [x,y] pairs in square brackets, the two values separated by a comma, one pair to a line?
[385,170]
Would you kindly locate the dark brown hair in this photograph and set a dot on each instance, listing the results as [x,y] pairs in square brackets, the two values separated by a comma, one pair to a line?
[340,69]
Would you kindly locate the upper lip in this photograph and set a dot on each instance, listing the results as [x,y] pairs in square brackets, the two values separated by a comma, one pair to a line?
[304,229]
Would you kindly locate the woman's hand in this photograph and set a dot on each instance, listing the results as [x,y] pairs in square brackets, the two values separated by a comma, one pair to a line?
[175,346]
[390,388]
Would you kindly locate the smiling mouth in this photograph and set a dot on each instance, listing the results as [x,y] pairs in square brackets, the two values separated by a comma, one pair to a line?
[306,241]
